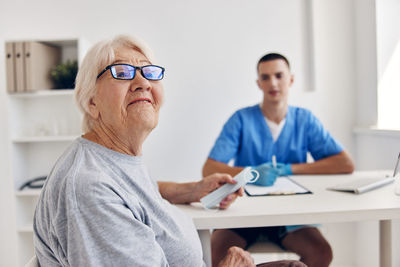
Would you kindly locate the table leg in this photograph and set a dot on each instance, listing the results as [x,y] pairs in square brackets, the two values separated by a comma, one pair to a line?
[205,239]
[385,243]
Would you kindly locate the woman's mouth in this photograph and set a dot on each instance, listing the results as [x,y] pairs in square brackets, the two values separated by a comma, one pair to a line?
[140,100]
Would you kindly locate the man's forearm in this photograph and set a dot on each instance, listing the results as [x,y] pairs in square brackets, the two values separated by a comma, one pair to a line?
[178,193]
[212,166]
[340,163]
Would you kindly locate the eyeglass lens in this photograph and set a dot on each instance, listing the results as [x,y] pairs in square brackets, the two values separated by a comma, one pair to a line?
[127,72]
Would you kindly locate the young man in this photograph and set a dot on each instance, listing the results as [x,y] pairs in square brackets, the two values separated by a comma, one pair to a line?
[256,134]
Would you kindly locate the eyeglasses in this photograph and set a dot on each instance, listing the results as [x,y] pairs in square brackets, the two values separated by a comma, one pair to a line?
[127,72]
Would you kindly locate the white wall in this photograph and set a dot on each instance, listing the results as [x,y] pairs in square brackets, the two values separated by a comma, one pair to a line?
[388,32]
[7,221]
[388,55]
[210,49]
[375,149]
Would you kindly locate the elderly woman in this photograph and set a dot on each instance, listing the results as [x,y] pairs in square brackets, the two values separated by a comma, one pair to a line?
[99,207]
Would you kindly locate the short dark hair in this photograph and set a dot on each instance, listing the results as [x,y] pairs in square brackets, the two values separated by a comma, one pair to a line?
[273,56]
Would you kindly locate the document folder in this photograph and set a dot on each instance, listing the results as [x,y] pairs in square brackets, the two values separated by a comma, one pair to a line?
[10,67]
[19,67]
[40,58]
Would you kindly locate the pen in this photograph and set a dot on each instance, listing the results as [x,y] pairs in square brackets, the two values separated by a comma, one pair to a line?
[274,161]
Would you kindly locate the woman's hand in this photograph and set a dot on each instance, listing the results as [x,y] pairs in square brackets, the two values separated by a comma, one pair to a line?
[214,181]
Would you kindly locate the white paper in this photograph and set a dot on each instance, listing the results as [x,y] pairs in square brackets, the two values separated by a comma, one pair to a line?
[282,186]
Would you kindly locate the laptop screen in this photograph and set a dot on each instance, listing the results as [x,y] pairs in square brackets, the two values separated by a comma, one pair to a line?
[396,168]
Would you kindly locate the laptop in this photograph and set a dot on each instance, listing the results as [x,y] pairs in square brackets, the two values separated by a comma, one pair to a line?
[360,186]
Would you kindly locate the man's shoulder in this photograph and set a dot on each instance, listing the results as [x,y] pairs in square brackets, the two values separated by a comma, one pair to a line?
[300,112]
[299,109]
[245,115]
[249,110]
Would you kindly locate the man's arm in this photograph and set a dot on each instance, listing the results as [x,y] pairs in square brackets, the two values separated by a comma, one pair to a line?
[339,163]
[320,145]
[213,166]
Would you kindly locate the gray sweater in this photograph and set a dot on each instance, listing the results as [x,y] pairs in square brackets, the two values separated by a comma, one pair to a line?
[100,208]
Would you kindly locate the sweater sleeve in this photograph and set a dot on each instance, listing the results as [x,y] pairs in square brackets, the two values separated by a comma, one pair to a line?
[105,231]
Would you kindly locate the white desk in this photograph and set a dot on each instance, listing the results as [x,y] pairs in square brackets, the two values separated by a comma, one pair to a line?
[322,206]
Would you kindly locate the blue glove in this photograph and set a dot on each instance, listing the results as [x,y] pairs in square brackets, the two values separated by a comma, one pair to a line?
[268,174]
[284,169]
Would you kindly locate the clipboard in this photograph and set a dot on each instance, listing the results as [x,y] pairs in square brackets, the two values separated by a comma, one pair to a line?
[283,185]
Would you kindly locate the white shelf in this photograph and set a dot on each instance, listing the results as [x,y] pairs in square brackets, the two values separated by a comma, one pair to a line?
[25,229]
[44,93]
[41,124]
[374,131]
[44,139]
[28,193]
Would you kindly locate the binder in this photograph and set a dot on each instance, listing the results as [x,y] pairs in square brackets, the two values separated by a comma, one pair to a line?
[40,58]
[10,67]
[19,73]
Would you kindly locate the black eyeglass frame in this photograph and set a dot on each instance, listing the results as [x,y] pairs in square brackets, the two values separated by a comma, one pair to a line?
[134,71]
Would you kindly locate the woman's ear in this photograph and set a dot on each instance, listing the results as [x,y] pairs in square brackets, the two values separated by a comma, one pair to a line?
[93,110]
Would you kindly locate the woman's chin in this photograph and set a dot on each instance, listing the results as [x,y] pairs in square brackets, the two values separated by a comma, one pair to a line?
[145,120]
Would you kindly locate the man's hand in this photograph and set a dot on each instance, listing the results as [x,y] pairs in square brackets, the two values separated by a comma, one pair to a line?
[237,257]
[283,169]
[268,174]
[214,181]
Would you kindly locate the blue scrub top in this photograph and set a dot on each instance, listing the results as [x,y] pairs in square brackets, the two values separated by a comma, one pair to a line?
[246,138]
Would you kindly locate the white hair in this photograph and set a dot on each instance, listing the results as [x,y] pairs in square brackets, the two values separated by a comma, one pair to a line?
[97,58]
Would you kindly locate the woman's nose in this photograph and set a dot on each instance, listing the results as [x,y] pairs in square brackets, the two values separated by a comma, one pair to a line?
[139,82]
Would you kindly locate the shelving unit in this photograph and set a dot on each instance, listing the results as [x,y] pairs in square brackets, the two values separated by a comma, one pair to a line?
[43,139]
[27,193]
[42,124]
